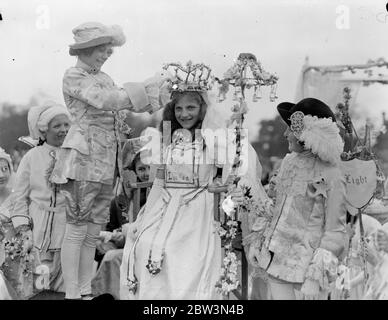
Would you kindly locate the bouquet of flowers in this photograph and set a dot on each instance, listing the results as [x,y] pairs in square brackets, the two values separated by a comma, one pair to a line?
[19,261]
[228,280]
[260,214]
[15,250]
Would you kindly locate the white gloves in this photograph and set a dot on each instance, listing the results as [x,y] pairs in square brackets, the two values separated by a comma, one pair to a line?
[158,89]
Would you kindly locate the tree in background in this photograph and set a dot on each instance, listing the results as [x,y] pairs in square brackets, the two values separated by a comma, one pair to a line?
[13,121]
[271,144]
[381,146]
[13,124]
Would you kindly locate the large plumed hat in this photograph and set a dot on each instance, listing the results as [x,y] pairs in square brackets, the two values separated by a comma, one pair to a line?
[92,34]
[313,122]
[308,106]
[39,117]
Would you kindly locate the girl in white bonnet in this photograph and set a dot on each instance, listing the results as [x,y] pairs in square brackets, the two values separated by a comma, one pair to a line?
[36,201]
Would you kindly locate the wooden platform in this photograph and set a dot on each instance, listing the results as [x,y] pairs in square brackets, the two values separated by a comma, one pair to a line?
[49,295]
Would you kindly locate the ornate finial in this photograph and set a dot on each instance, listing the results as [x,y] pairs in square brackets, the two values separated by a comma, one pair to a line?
[343,109]
[191,77]
[238,77]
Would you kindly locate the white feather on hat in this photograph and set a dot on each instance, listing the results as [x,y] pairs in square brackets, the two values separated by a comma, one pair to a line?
[321,136]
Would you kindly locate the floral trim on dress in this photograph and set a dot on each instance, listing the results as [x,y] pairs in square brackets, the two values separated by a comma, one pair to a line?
[323,268]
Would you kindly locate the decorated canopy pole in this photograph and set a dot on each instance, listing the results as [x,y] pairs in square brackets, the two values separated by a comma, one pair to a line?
[245,74]
[239,78]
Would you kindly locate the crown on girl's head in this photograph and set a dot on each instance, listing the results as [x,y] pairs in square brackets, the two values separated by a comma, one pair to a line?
[192,77]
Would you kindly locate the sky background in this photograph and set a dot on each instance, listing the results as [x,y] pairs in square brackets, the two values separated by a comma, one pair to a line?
[35,36]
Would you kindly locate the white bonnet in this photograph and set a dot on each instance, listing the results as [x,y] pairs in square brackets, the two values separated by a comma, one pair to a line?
[40,116]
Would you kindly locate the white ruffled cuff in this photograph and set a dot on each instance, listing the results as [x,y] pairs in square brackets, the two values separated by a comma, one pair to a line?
[21,220]
[157,96]
[323,268]
[157,89]
[106,236]
[137,95]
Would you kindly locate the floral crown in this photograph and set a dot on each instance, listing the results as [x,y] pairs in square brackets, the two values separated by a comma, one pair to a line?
[192,77]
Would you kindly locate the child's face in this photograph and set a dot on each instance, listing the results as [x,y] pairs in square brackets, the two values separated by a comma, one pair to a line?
[5,173]
[187,111]
[57,130]
[293,144]
[98,57]
[142,171]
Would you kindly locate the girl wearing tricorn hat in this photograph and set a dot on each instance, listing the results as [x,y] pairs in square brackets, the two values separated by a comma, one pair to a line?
[302,243]
[87,164]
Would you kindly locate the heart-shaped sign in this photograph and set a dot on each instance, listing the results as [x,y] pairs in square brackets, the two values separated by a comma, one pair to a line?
[361,181]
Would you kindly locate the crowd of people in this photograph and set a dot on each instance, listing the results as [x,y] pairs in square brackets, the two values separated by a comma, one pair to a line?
[67,212]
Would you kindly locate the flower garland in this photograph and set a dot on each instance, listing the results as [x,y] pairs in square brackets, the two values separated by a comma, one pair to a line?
[263,216]
[124,129]
[238,78]
[228,280]
[227,231]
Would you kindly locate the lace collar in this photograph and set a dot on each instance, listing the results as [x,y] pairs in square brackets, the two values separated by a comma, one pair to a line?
[296,171]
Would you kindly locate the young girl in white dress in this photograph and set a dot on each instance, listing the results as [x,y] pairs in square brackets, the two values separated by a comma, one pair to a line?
[173,249]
